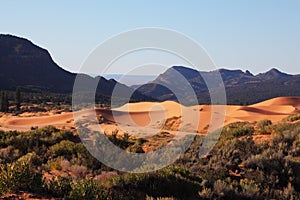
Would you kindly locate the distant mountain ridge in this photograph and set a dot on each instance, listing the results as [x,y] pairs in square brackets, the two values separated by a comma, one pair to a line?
[24,64]
[273,74]
[241,87]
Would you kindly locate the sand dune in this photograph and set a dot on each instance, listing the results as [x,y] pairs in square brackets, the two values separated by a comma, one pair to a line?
[148,114]
[154,115]
[280,101]
[63,120]
[266,111]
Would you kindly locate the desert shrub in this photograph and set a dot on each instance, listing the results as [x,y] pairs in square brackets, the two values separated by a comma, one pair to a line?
[136,147]
[295,151]
[293,118]
[246,130]
[290,193]
[237,129]
[78,171]
[264,127]
[58,186]
[249,188]
[276,168]
[57,136]
[283,126]
[31,159]
[169,182]
[206,193]
[24,143]
[65,164]
[82,189]
[263,123]
[6,137]
[81,156]
[222,188]
[232,153]
[87,189]
[191,156]
[283,142]
[35,140]
[54,164]
[18,177]
[65,148]
[122,142]
[267,161]
[9,154]
[236,168]
[211,175]
[267,130]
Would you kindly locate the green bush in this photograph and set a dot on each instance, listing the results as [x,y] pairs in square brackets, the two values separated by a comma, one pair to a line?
[64,148]
[87,189]
[264,127]
[249,188]
[263,123]
[237,129]
[293,118]
[58,187]
[18,177]
[31,159]
[168,182]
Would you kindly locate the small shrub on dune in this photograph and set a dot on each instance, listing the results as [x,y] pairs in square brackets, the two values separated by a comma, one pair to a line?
[237,129]
[264,127]
[263,123]
[293,118]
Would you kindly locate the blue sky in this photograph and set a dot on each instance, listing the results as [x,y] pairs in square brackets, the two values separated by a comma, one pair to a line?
[255,34]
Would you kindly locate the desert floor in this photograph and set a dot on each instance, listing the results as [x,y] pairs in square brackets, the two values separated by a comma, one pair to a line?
[149,117]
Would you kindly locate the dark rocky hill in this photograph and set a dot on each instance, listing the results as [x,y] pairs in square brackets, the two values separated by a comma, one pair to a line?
[241,87]
[24,64]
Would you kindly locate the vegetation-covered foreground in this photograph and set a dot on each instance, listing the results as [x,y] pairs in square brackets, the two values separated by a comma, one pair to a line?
[54,163]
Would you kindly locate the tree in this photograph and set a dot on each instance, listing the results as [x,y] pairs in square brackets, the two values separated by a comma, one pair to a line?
[4,104]
[18,98]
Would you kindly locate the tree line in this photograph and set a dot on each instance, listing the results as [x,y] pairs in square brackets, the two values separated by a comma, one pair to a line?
[4,100]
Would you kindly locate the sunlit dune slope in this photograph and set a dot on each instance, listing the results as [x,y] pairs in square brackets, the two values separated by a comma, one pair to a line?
[154,115]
